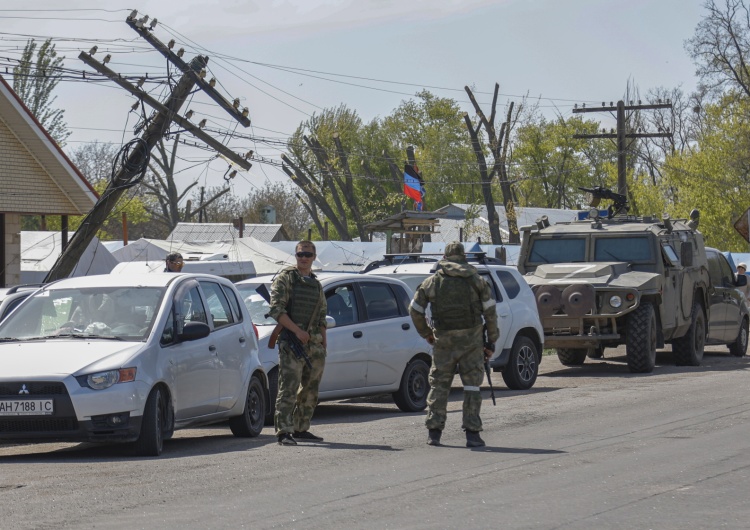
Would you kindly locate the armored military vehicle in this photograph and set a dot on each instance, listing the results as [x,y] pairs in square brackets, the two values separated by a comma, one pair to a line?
[612,278]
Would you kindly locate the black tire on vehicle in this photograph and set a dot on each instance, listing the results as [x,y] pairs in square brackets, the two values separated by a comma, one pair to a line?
[273,392]
[523,367]
[596,352]
[688,349]
[150,441]
[739,347]
[640,343]
[249,424]
[411,396]
[572,356]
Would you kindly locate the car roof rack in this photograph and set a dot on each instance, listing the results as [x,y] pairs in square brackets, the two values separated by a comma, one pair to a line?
[422,257]
[25,287]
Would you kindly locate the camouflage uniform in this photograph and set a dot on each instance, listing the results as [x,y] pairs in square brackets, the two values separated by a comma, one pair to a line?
[452,347]
[297,296]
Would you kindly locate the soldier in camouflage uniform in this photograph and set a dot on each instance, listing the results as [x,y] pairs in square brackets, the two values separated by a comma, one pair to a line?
[459,300]
[299,305]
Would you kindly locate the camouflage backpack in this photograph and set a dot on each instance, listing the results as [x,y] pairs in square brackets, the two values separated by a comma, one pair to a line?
[449,310]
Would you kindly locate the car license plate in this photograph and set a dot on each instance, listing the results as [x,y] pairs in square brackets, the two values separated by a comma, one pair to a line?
[26,407]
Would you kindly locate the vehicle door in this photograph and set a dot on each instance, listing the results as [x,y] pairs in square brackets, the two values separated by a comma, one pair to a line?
[231,341]
[390,334]
[732,298]
[346,357]
[718,310]
[192,364]
[498,283]
[672,292]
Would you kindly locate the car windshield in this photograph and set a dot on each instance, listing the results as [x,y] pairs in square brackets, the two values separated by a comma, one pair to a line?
[256,304]
[558,250]
[120,313]
[630,249]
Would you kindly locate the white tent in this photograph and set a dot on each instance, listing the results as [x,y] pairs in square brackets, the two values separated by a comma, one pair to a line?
[40,250]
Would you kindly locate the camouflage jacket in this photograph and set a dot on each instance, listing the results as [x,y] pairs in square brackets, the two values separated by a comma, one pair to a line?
[481,297]
[282,296]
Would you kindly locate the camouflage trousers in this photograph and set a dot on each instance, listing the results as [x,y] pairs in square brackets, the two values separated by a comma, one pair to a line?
[462,348]
[298,388]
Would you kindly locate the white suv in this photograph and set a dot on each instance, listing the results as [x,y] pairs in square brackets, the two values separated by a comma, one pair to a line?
[518,352]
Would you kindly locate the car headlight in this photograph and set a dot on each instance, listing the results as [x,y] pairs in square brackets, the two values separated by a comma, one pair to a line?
[102,380]
[615,301]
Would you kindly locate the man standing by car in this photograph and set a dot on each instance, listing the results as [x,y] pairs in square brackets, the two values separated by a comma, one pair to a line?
[459,300]
[742,269]
[299,306]
[174,262]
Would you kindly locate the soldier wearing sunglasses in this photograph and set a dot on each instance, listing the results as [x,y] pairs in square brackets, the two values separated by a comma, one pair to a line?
[299,305]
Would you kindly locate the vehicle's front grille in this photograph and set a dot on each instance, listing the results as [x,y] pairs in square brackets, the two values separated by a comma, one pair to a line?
[34,388]
[38,425]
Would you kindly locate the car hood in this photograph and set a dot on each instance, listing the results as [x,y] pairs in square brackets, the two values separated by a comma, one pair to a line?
[599,274]
[63,357]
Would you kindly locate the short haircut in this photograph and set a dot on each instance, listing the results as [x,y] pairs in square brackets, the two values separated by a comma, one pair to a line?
[174,256]
[306,243]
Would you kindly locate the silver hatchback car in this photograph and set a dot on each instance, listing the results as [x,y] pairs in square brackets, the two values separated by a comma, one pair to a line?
[373,347]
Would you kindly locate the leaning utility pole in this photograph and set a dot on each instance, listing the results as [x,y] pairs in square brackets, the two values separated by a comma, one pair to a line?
[621,134]
[136,154]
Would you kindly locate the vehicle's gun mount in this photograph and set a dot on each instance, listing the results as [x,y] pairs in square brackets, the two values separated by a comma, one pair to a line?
[597,193]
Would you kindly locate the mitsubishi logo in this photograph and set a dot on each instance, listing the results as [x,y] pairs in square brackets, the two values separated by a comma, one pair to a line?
[23,390]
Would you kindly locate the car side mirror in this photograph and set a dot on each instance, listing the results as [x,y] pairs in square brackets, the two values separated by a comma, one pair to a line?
[741,280]
[194,331]
[686,254]
[330,322]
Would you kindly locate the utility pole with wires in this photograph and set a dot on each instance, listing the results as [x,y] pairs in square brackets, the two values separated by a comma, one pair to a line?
[621,135]
[131,163]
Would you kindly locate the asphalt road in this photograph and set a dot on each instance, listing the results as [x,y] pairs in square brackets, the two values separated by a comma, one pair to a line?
[589,447]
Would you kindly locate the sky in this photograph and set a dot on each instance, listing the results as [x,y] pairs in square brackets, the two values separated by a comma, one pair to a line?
[288,59]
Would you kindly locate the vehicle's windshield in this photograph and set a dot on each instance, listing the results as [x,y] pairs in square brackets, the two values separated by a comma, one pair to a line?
[558,250]
[122,313]
[630,249]
[255,303]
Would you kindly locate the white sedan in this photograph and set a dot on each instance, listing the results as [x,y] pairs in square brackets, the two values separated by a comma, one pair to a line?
[373,348]
[129,359]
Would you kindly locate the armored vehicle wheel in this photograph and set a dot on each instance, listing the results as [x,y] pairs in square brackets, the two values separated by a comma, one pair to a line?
[688,349]
[640,343]
[572,356]
[595,353]
[739,347]
[522,368]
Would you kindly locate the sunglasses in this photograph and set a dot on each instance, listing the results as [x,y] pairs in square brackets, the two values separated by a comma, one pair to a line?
[304,254]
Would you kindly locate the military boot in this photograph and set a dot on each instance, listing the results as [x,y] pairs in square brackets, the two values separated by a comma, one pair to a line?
[473,439]
[433,436]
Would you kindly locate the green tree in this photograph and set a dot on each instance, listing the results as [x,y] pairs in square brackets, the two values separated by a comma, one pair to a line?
[34,80]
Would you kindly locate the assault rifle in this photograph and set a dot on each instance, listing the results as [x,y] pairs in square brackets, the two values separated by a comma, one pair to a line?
[619,201]
[488,345]
[294,343]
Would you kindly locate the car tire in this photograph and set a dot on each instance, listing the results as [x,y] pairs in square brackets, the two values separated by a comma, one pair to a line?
[273,392]
[523,367]
[249,424]
[411,396]
[150,441]
[640,342]
[688,349]
[739,347]
[572,356]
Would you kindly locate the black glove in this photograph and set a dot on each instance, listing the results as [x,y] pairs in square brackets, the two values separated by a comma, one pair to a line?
[489,346]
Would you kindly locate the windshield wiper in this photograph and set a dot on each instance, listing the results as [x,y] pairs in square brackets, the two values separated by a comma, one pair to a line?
[75,336]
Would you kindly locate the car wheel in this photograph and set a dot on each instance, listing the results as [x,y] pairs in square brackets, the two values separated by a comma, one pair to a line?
[688,349]
[250,422]
[522,368]
[572,356]
[739,347]
[640,343]
[150,441]
[412,394]
[273,392]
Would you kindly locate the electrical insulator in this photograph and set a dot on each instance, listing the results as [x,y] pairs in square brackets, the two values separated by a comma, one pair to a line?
[236,103]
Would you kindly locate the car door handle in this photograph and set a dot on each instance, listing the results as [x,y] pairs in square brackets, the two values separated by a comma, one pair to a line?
[212,348]
[242,340]
[503,315]
[405,326]
[357,334]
